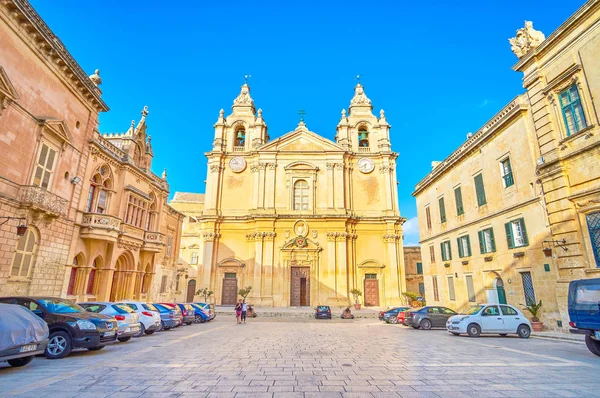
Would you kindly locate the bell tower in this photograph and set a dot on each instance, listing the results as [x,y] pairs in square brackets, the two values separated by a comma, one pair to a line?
[361,131]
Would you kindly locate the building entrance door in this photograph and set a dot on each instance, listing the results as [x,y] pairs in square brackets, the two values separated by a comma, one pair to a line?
[191,290]
[300,287]
[371,290]
[229,292]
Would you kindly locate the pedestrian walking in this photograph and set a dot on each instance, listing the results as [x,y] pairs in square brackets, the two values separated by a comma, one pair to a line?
[244,311]
[238,311]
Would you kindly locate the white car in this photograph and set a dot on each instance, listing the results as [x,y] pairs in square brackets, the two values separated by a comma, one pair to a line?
[490,318]
[149,316]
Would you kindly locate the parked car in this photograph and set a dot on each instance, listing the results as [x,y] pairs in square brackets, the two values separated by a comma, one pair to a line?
[23,335]
[188,312]
[323,311]
[128,320]
[200,316]
[176,308]
[391,316]
[209,309]
[169,317]
[584,311]
[149,316]
[490,318]
[427,317]
[70,325]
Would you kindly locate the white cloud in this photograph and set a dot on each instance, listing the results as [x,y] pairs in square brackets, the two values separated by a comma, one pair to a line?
[411,230]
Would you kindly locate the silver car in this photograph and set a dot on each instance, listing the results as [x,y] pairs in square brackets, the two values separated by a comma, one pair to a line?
[127,319]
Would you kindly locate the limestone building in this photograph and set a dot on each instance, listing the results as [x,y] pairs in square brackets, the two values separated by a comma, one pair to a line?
[413,266]
[302,219]
[98,225]
[519,201]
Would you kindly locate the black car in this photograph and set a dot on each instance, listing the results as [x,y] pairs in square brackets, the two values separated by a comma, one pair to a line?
[323,312]
[427,317]
[70,325]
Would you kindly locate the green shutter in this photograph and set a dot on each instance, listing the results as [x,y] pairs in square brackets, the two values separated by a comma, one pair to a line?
[449,251]
[492,239]
[420,268]
[481,242]
[525,239]
[479,190]
[509,237]
[459,202]
[443,254]
[468,246]
[461,254]
[442,210]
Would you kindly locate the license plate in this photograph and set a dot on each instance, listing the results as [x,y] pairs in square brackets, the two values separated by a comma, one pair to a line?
[111,333]
[597,335]
[27,348]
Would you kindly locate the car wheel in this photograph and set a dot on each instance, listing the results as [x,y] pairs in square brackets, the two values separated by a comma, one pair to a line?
[503,334]
[189,323]
[18,362]
[59,345]
[149,332]
[124,339]
[523,331]
[393,320]
[141,332]
[473,330]
[425,324]
[455,334]
[592,345]
[96,348]
[161,327]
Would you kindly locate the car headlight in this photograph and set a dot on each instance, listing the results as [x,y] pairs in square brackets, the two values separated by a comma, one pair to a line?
[86,325]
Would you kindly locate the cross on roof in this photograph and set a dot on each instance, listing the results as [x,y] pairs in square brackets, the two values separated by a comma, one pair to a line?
[301,112]
[246,77]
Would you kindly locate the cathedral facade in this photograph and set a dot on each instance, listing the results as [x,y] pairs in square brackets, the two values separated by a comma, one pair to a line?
[301,219]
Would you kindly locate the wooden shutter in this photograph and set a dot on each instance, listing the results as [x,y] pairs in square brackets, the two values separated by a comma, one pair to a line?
[443,253]
[428,215]
[468,245]
[492,239]
[479,190]
[481,242]
[442,210]
[459,203]
[44,167]
[90,285]
[509,237]
[461,252]
[525,240]
[419,268]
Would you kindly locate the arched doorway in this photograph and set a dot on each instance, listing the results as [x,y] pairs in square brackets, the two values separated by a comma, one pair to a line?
[121,279]
[191,291]
[499,285]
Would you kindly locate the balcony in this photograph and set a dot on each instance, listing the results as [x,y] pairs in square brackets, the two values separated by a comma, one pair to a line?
[153,241]
[100,227]
[42,202]
[364,149]
[238,149]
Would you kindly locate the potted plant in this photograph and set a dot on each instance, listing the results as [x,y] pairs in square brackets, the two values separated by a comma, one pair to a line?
[534,310]
[356,294]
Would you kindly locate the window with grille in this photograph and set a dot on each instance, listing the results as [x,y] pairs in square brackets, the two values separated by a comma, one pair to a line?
[593,222]
[470,288]
[572,110]
[24,257]
[506,172]
[436,293]
[44,167]
[528,288]
[301,195]
[370,276]
[230,275]
[432,253]
[451,292]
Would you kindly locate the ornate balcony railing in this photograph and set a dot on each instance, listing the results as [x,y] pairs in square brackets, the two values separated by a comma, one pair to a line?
[43,201]
[131,231]
[238,149]
[153,237]
[364,149]
[102,221]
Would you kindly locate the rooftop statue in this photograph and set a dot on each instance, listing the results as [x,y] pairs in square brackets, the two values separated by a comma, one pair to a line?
[526,39]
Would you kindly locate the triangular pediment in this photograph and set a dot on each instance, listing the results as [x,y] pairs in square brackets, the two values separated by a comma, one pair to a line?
[301,140]
[57,128]
[6,87]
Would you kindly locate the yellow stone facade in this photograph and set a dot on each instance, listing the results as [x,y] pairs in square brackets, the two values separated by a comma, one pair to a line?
[301,219]
[549,197]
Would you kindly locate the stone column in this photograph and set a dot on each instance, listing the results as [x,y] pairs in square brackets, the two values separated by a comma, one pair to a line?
[212,188]
[258,264]
[338,185]
[392,294]
[342,268]
[330,186]
[385,172]
[267,288]
[207,260]
[330,276]
[261,185]
[270,186]
[255,185]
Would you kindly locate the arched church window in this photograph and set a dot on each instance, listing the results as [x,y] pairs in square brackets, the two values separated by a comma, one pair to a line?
[100,186]
[240,137]
[151,213]
[301,195]
[363,137]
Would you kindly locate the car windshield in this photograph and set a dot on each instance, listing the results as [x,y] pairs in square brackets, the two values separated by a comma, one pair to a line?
[59,306]
[322,308]
[473,310]
[93,307]
[149,307]
[161,308]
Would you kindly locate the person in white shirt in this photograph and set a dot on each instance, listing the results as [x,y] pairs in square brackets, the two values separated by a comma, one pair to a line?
[244,310]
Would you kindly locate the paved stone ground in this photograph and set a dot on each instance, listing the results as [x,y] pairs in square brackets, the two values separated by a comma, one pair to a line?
[309,358]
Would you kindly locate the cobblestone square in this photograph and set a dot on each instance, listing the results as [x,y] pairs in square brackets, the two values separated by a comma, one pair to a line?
[308,358]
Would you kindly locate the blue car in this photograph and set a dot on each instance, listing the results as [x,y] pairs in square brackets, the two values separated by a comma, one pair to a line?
[200,315]
[584,311]
[168,317]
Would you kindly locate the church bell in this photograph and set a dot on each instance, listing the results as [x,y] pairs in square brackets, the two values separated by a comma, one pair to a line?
[240,135]
[362,136]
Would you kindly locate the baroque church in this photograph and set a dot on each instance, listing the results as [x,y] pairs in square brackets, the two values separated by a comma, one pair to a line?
[301,219]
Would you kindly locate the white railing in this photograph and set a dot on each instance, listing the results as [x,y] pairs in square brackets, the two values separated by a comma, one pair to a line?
[238,149]
[364,149]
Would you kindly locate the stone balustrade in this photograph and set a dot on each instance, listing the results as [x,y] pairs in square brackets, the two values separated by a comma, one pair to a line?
[153,237]
[41,200]
[103,221]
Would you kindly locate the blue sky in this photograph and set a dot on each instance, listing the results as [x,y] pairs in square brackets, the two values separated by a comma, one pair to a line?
[439,68]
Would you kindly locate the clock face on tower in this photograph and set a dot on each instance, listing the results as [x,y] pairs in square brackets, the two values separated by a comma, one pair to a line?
[237,164]
[365,165]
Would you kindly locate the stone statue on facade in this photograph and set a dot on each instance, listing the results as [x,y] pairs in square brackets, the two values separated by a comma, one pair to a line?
[526,39]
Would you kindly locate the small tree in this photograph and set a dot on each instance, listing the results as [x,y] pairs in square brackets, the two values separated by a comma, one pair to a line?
[534,309]
[245,292]
[356,294]
[205,293]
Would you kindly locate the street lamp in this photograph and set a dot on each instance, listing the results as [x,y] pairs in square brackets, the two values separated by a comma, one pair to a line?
[21,229]
[560,243]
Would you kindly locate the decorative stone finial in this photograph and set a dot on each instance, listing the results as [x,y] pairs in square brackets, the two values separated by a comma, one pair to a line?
[132,123]
[95,78]
[259,113]
[145,111]
[343,113]
[526,39]
[244,98]
[382,114]
[221,112]
[360,98]
[164,175]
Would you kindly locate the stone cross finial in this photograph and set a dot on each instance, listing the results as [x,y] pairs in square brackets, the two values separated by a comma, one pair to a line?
[526,39]
[145,111]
